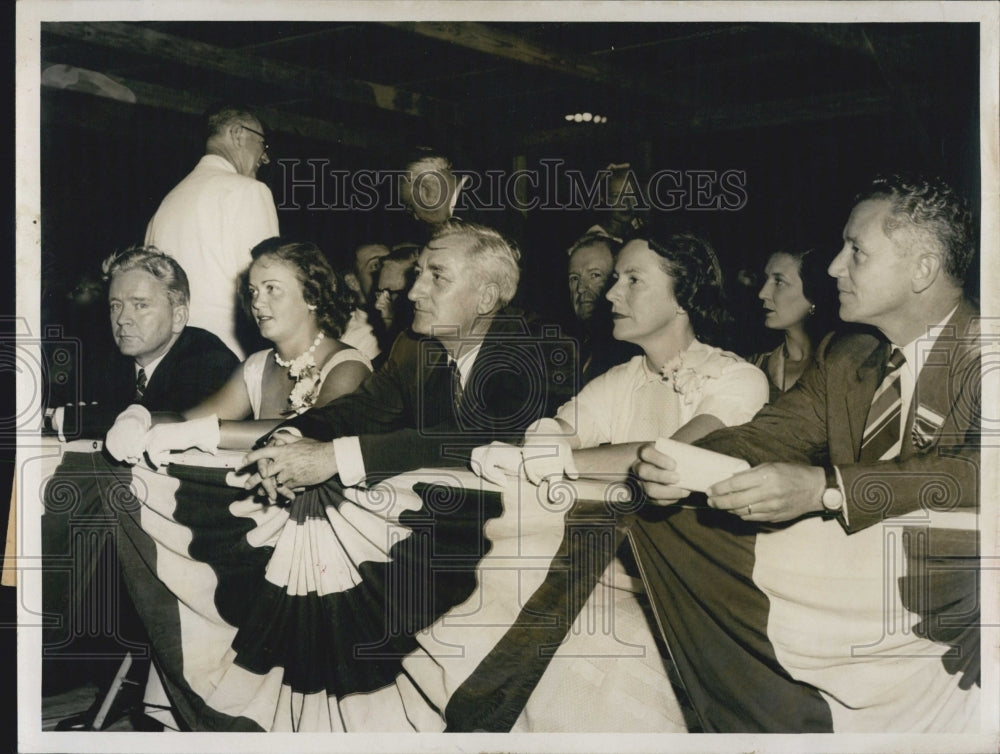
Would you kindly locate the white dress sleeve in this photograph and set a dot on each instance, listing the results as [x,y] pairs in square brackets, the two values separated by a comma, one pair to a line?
[736,394]
[253,376]
[347,354]
[592,412]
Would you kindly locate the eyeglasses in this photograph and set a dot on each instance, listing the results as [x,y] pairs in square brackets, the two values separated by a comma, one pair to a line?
[263,138]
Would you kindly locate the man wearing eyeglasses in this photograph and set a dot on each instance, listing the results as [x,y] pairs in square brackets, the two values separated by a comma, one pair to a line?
[215,215]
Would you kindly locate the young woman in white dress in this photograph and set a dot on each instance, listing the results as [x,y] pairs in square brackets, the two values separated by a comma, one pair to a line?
[302,306]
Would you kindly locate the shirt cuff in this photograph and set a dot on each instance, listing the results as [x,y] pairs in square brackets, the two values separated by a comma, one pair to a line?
[58,417]
[350,462]
[843,496]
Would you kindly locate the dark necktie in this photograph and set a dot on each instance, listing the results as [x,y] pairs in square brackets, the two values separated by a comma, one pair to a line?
[140,384]
[456,382]
[882,430]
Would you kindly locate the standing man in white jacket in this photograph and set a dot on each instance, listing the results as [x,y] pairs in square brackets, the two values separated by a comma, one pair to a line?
[215,215]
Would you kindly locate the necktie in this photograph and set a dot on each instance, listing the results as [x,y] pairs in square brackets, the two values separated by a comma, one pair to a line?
[456,382]
[140,384]
[882,430]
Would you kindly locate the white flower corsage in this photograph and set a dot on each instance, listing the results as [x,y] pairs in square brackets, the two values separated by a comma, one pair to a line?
[689,370]
[305,390]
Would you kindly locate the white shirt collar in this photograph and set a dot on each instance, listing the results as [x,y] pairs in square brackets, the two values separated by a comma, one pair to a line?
[218,161]
[465,362]
[917,350]
[151,366]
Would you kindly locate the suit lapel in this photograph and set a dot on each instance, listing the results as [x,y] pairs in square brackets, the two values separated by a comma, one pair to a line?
[157,384]
[858,396]
[934,394]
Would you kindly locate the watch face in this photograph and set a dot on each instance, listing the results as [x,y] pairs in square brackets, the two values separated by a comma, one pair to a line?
[832,499]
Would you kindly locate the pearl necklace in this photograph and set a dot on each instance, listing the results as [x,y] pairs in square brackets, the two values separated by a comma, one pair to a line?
[303,360]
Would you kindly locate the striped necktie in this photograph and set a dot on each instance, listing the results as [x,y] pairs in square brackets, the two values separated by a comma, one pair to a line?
[456,381]
[140,384]
[882,430]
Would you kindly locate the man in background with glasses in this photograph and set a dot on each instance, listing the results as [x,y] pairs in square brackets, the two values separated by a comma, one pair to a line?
[215,215]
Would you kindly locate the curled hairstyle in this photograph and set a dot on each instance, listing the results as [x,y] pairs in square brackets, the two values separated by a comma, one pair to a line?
[928,205]
[161,266]
[698,286]
[321,286]
[493,258]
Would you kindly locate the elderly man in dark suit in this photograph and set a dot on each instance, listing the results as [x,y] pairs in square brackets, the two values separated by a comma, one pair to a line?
[833,585]
[466,376]
[163,364]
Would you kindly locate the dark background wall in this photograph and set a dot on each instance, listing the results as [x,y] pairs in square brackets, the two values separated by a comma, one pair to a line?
[101,183]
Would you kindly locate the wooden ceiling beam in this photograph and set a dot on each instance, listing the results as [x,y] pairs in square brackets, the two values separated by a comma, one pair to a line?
[902,53]
[142,40]
[153,95]
[740,117]
[482,38]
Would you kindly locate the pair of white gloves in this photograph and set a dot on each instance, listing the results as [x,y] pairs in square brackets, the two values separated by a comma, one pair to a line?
[545,454]
[133,435]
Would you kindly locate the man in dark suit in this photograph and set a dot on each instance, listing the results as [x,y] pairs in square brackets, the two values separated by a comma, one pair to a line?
[474,376]
[881,436]
[162,364]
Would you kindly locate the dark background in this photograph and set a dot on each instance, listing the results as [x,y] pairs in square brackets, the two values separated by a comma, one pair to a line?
[808,112]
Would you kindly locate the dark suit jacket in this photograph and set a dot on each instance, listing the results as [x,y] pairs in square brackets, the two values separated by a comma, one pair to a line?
[821,419]
[405,413]
[196,366]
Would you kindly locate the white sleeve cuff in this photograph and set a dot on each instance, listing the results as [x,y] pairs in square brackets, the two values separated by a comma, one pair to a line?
[58,417]
[843,496]
[350,462]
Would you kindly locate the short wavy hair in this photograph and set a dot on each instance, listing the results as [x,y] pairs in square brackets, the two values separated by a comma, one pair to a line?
[223,114]
[595,238]
[930,206]
[161,266]
[322,287]
[698,285]
[495,258]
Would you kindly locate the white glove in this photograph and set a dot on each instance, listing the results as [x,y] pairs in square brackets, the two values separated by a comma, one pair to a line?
[494,462]
[200,433]
[547,452]
[127,437]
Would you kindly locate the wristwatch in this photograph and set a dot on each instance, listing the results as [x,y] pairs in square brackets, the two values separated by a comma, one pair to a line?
[833,498]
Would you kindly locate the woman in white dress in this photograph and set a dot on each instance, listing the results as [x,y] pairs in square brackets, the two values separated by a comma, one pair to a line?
[667,299]
[302,306]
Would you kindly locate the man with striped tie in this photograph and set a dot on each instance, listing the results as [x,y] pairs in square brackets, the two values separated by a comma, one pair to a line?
[844,564]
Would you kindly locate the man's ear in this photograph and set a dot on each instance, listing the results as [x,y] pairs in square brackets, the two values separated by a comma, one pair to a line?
[925,271]
[179,318]
[489,298]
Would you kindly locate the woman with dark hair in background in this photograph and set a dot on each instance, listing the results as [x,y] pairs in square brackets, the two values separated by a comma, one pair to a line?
[302,306]
[798,300]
